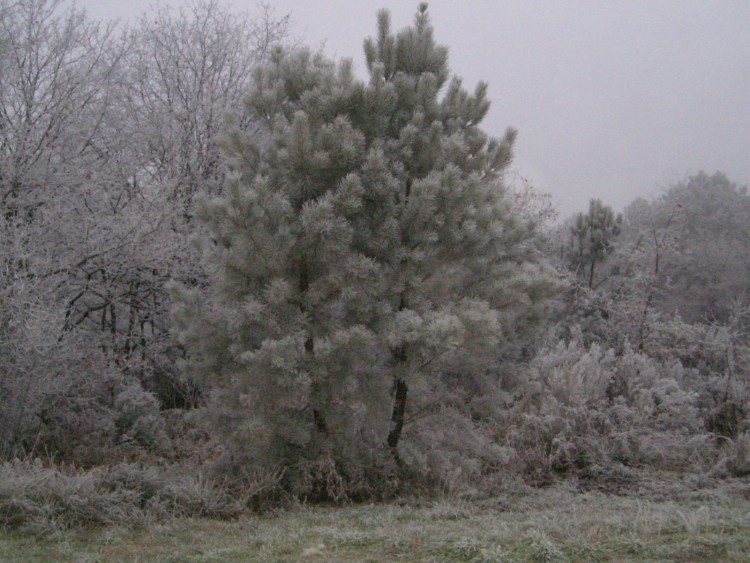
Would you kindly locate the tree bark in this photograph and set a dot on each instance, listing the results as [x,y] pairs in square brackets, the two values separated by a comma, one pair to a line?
[304,284]
[399,396]
[397,417]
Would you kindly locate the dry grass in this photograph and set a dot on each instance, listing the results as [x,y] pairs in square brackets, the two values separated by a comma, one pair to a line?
[686,520]
[48,499]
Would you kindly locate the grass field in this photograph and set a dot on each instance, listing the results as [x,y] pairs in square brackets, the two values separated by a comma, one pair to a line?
[671,521]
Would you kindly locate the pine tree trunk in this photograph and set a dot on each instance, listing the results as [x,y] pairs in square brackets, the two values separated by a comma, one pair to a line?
[399,396]
[304,284]
[397,418]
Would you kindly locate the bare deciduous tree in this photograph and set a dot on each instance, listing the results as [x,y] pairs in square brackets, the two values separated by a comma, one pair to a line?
[104,140]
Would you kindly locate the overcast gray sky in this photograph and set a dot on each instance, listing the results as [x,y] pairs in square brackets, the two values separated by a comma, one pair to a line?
[612,99]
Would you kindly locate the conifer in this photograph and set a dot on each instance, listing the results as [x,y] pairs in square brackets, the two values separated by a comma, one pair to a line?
[368,269]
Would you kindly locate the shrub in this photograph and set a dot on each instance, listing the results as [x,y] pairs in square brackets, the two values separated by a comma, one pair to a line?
[138,419]
[579,406]
[47,498]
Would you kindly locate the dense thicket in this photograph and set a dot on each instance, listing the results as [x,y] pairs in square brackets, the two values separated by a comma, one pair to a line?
[104,140]
[650,364]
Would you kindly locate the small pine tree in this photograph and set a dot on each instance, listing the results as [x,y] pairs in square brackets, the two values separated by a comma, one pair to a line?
[368,268]
[592,239]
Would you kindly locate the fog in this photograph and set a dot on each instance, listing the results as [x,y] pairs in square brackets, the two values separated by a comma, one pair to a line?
[611,100]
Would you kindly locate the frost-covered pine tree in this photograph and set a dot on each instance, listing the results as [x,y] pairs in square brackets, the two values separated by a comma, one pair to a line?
[591,239]
[368,271]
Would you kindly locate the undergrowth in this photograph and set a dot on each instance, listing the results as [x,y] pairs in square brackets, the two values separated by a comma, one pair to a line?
[45,498]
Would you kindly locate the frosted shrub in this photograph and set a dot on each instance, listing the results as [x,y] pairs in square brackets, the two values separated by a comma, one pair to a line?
[451,451]
[665,404]
[138,419]
[711,361]
[49,498]
[571,376]
[54,390]
[581,406]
